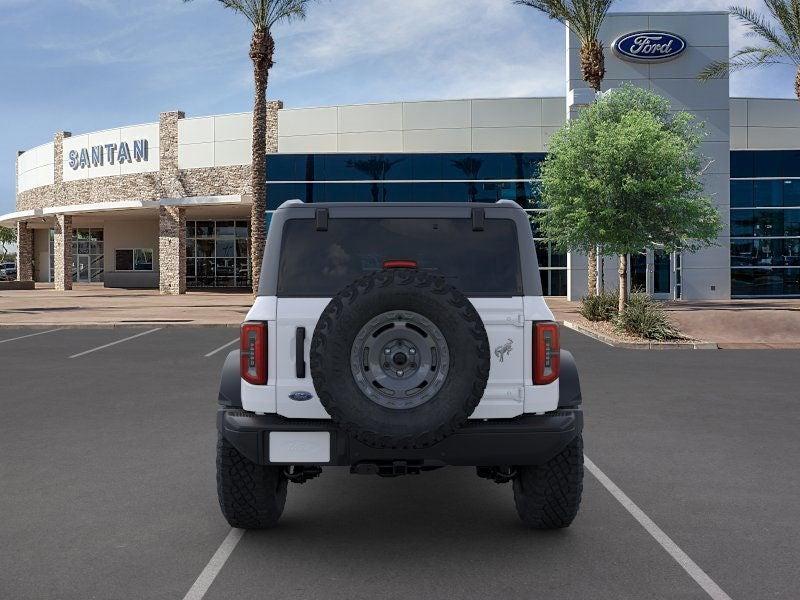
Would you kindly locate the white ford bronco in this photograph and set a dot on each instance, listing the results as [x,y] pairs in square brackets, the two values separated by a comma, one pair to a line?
[394,339]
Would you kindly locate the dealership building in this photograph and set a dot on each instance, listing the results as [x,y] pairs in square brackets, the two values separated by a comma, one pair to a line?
[167,204]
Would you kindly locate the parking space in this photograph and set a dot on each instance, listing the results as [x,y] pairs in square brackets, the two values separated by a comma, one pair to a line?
[108,486]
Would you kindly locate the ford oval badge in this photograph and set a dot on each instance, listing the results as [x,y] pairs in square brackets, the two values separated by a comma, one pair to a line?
[649,46]
[301,396]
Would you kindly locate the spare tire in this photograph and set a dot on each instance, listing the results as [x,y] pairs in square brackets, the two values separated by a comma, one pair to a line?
[400,359]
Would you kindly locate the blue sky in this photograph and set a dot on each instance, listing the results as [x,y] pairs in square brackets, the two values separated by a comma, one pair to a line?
[84,65]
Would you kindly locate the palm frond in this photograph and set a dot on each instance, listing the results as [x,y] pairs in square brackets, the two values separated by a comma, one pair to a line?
[583,17]
[759,26]
[746,58]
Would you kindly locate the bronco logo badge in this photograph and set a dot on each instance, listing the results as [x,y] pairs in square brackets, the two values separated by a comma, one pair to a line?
[501,351]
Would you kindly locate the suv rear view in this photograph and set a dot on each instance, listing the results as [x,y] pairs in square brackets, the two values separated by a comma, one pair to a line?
[397,339]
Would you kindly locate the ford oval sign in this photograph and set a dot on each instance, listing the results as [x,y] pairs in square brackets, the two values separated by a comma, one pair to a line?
[301,396]
[649,46]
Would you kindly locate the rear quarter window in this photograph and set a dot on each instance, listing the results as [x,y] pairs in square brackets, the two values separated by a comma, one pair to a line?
[320,263]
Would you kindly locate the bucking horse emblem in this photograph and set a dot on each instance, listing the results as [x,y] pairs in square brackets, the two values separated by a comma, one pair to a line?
[501,351]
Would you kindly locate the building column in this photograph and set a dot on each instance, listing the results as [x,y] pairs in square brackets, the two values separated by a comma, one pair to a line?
[62,251]
[172,250]
[24,252]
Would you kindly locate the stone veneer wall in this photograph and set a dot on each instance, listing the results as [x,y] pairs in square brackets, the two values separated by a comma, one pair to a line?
[24,252]
[169,182]
[62,251]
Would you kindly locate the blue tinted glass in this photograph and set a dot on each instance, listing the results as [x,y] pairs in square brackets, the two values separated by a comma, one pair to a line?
[768,223]
[791,222]
[357,167]
[353,192]
[768,193]
[765,282]
[426,166]
[464,166]
[532,162]
[742,164]
[278,193]
[282,167]
[426,192]
[791,192]
[768,164]
[456,192]
[742,223]
[398,192]
[790,165]
[741,194]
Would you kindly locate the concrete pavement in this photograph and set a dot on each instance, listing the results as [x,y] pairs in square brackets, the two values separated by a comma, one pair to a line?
[108,485]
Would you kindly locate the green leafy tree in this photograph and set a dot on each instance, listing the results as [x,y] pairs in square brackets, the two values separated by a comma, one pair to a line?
[778,40]
[626,174]
[8,236]
[584,19]
[263,15]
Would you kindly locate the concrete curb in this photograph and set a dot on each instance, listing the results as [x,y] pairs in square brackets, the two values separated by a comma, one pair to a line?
[640,345]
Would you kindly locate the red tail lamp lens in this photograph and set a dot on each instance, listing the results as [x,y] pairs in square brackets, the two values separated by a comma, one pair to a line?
[546,353]
[399,264]
[253,353]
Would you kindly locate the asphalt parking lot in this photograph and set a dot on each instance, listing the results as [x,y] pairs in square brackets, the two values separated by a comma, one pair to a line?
[107,485]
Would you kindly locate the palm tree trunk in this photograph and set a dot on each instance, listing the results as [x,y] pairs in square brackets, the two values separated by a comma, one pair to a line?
[797,84]
[261,51]
[593,70]
[623,282]
[593,67]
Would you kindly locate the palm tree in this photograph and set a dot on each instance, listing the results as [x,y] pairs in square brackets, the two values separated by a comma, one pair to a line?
[780,41]
[263,15]
[584,19]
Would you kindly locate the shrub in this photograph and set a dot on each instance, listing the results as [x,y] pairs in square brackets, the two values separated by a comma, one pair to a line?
[645,318]
[602,307]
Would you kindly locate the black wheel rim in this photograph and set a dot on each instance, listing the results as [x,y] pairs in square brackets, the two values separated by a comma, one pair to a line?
[400,359]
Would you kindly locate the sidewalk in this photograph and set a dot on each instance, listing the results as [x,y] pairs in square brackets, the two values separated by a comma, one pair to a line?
[91,305]
[769,324]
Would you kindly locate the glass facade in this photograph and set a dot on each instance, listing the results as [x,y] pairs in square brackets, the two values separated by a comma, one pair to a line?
[88,262]
[765,223]
[218,254]
[448,177]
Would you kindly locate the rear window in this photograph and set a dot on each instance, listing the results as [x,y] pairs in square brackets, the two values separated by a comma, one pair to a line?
[320,263]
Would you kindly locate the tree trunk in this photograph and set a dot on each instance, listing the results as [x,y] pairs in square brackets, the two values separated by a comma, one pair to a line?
[262,48]
[797,84]
[592,272]
[593,67]
[623,282]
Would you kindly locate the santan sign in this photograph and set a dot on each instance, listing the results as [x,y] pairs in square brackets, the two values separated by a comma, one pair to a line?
[649,46]
[97,156]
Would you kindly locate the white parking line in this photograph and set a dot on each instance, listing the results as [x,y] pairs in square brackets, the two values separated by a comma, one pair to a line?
[22,337]
[115,343]
[213,352]
[214,566]
[688,565]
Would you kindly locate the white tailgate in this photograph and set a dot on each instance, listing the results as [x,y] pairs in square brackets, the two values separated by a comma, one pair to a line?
[509,392]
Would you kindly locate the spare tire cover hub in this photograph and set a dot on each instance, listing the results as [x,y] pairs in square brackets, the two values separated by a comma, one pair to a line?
[400,359]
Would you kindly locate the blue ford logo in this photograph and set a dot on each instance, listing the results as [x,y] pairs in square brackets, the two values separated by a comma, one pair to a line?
[301,396]
[649,46]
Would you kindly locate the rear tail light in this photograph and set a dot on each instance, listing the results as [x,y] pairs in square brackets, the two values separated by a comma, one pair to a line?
[253,353]
[399,264]
[546,353]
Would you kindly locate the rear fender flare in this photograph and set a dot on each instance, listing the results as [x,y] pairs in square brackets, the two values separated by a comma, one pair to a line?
[569,384]
[230,384]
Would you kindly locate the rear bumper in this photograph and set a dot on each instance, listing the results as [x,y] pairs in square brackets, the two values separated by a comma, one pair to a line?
[524,440]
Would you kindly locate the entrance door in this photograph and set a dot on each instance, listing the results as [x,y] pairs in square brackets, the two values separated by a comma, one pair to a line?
[83,268]
[638,269]
[662,270]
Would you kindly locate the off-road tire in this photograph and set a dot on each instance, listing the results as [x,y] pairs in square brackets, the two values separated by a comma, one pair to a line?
[397,290]
[251,496]
[548,496]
